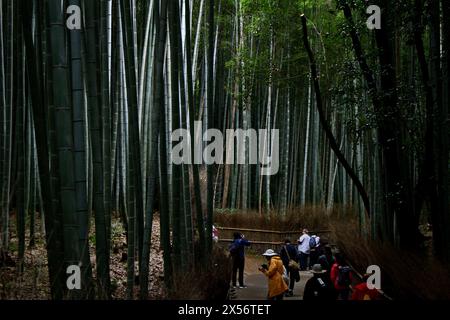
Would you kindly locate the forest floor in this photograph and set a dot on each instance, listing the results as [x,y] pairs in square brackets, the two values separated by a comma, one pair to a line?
[256,282]
[33,283]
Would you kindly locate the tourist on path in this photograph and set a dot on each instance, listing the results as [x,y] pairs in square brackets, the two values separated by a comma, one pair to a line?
[341,277]
[319,287]
[274,272]
[237,253]
[288,254]
[304,249]
[326,260]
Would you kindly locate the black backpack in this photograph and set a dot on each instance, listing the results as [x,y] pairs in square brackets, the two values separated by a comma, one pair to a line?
[234,248]
[322,289]
[343,278]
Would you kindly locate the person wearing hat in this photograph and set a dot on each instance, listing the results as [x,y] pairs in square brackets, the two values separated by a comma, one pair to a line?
[319,287]
[274,272]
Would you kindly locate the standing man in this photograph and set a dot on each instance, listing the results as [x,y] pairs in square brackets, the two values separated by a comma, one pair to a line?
[288,255]
[237,253]
[304,249]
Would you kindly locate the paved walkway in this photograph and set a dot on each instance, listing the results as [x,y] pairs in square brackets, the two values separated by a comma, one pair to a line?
[256,283]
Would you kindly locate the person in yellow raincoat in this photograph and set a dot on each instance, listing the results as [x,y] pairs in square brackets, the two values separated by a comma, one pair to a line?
[274,273]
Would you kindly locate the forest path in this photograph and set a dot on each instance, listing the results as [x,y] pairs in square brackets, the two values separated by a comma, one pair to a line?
[256,282]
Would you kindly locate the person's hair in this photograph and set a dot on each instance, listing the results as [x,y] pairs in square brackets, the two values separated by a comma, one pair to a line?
[237,235]
[286,241]
[328,250]
[339,258]
[305,230]
[320,250]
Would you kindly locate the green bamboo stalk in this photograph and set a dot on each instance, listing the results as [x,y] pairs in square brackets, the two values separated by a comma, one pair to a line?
[9,81]
[210,117]
[179,260]
[163,174]
[154,123]
[2,118]
[64,132]
[33,180]
[115,100]
[185,200]
[133,119]
[159,104]
[191,114]
[20,141]
[95,130]
[37,75]
[80,155]
[106,117]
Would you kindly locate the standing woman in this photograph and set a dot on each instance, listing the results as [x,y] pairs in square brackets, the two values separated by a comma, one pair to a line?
[274,273]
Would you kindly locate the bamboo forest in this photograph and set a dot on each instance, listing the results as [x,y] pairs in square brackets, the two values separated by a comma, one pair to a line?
[141,139]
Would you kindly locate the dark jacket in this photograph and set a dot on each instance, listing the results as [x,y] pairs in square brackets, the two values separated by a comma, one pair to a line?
[319,288]
[326,262]
[291,253]
[240,245]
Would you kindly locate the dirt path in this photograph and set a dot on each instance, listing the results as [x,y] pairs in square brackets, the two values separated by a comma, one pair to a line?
[256,282]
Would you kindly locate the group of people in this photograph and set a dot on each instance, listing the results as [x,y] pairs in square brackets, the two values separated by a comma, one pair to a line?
[332,277]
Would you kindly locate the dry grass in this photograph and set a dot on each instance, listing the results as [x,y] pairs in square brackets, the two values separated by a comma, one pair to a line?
[311,217]
[315,218]
[405,275]
[210,282]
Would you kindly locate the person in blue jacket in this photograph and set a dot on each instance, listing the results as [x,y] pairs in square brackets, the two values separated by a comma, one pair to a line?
[237,252]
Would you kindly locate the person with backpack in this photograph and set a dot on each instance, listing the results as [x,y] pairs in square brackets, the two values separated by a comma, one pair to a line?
[288,255]
[319,287]
[341,277]
[304,249]
[274,272]
[237,253]
[314,252]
